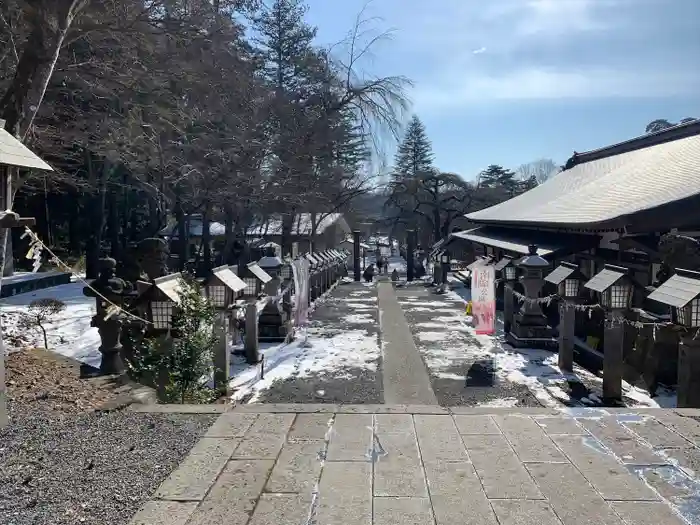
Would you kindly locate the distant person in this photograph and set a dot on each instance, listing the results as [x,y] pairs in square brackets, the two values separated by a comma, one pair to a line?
[419,269]
[384,264]
[368,274]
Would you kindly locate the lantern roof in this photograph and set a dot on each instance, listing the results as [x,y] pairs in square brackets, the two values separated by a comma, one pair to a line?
[532,260]
[505,261]
[607,277]
[258,272]
[679,290]
[565,270]
[170,285]
[228,278]
[270,261]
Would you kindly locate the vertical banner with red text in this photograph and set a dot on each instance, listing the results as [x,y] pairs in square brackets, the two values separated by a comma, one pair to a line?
[484,298]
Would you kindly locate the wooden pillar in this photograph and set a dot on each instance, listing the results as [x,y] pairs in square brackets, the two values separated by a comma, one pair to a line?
[250,344]
[567,322]
[507,306]
[613,362]
[410,249]
[222,356]
[356,255]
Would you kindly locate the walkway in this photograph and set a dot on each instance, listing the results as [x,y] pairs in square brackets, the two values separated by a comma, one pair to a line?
[424,465]
[405,378]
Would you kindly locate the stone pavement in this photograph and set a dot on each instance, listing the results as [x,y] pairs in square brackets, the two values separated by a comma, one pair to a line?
[263,464]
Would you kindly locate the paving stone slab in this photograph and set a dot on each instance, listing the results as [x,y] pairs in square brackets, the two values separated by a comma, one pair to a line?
[287,408]
[572,498]
[234,495]
[501,472]
[350,438]
[278,424]
[529,440]
[278,509]
[402,511]
[687,427]
[231,425]
[298,468]
[307,427]
[163,513]
[259,446]
[623,443]
[524,512]
[656,434]
[352,504]
[478,425]
[394,424]
[398,470]
[554,426]
[457,495]
[646,513]
[439,439]
[611,479]
[687,458]
[191,480]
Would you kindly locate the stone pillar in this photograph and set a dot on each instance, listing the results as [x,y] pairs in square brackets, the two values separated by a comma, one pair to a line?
[613,362]
[272,287]
[567,321]
[250,344]
[507,306]
[111,346]
[222,356]
[356,255]
[689,373]
[410,248]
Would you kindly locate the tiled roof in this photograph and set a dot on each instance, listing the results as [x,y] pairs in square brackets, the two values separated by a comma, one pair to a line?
[602,187]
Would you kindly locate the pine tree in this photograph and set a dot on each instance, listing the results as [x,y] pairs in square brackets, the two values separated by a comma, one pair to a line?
[415,153]
[497,177]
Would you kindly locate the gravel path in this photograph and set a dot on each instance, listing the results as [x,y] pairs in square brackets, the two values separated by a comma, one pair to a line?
[96,468]
[352,308]
[459,375]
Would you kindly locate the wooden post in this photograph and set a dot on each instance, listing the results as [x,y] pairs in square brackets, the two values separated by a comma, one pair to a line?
[222,356]
[410,249]
[507,306]
[613,362]
[356,254]
[250,345]
[567,321]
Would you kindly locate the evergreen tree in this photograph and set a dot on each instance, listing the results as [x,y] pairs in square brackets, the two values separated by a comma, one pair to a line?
[499,178]
[415,153]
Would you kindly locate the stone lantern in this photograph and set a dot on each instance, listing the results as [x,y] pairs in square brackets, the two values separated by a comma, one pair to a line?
[272,265]
[108,324]
[163,297]
[682,293]
[567,278]
[614,287]
[530,328]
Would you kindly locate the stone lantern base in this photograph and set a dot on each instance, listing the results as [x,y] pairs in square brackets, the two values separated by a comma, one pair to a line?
[531,331]
[272,327]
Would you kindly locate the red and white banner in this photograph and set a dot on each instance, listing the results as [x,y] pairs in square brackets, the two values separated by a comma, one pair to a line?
[484,298]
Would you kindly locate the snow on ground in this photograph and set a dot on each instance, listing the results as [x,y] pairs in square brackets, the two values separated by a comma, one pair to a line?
[69,333]
[322,352]
[538,370]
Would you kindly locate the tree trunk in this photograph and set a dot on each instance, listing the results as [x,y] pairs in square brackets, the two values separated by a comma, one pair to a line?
[114,227]
[96,215]
[286,237]
[230,236]
[183,238]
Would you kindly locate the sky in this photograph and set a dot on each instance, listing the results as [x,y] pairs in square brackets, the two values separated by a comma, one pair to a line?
[512,81]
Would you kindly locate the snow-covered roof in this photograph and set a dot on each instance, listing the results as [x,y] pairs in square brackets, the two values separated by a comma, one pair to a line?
[603,187]
[302,225]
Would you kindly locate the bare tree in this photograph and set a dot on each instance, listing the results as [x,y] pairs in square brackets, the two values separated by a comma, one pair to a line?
[541,170]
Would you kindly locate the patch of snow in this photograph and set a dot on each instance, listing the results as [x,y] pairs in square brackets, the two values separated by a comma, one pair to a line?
[360,319]
[355,299]
[333,354]
[507,402]
[360,306]
[21,277]
[426,309]
[69,333]
[431,336]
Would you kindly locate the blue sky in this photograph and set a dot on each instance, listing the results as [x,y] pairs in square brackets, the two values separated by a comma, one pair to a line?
[510,81]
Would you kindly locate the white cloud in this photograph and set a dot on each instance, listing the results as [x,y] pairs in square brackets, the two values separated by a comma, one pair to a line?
[479,51]
[541,84]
